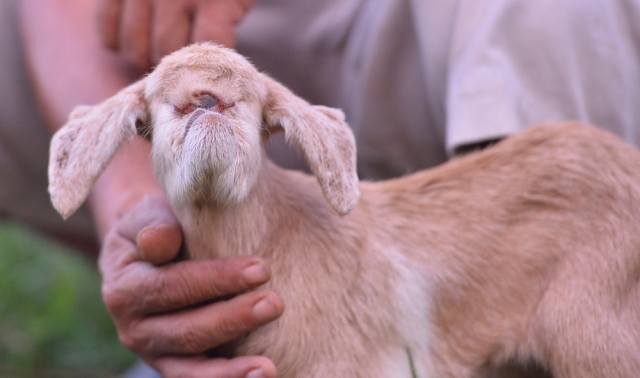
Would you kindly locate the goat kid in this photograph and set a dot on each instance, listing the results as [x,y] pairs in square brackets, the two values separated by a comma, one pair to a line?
[529,250]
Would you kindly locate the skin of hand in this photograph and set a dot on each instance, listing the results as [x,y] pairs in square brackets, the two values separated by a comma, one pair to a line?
[143,31]
[168,313]
[164,312]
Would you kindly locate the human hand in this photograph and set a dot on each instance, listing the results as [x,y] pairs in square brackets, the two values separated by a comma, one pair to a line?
[170,313]
[143,31]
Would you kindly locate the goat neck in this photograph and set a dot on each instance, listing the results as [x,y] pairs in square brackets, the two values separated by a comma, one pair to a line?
[279,198]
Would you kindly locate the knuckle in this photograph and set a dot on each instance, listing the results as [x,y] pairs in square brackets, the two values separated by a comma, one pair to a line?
[116,300]
[191,339]
[223,278]
[136,339]
[115,241]
[127,341]
[183,287]
[218,285]
[229,328]
[171,291]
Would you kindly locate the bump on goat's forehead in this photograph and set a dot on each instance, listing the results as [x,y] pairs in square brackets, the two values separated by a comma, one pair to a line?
[212,63]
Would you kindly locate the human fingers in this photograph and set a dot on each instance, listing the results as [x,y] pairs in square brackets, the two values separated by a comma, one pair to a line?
[171,28]
[150,232]
[159,244]
[217,20]
[196,330]
[135,33]
[108,18]
[155,230]
[150,224]
[140,295]
[238,367]
[141,289]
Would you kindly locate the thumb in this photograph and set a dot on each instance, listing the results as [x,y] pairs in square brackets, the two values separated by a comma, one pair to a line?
[155,230]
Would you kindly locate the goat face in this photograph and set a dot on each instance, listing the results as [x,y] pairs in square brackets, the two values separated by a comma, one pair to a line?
[206,110]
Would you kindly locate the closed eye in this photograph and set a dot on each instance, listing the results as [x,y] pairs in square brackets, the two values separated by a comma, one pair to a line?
[204,101]
[207,101]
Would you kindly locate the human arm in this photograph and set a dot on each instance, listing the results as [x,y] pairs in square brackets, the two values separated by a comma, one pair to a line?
[69,67]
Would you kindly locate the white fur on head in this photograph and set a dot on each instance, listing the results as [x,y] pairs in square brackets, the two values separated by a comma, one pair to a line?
[83,147]
[206,155]
[324,139]
[203,152]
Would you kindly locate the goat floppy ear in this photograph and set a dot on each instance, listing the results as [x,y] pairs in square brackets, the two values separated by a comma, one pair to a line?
[83,147]
[323,137]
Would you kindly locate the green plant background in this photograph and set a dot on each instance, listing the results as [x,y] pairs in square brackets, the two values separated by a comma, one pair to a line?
[52,319]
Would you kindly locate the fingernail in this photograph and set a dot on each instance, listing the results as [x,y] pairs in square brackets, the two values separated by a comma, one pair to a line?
[264,310]
[148,230]
[145,233]
[255,274]
[256,373]
[145,230]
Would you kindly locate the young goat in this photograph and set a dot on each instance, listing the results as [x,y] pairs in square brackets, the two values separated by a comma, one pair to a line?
[528,251]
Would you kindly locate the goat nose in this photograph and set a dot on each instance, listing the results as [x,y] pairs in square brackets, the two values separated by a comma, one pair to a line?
[194,117]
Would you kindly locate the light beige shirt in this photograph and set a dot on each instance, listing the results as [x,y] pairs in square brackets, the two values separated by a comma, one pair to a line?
[418,78]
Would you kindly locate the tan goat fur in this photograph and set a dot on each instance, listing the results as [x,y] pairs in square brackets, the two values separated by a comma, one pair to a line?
[528,251]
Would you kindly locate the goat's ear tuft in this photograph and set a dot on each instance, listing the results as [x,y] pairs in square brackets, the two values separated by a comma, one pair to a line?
[83,147]
[323,137]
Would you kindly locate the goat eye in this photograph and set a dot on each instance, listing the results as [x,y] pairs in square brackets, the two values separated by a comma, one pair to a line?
[207,101]
[188,109]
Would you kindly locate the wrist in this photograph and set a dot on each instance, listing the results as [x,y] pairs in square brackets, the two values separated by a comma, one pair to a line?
[127,179]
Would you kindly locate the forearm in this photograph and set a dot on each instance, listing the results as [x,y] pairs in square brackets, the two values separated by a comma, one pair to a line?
[69,67]
[127,179]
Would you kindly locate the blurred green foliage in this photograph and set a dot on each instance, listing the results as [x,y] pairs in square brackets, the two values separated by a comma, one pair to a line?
[51,312]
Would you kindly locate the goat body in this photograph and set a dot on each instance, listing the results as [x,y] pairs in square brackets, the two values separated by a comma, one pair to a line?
[528,250]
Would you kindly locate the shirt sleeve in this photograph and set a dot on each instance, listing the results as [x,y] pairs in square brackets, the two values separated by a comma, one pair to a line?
[515,63]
